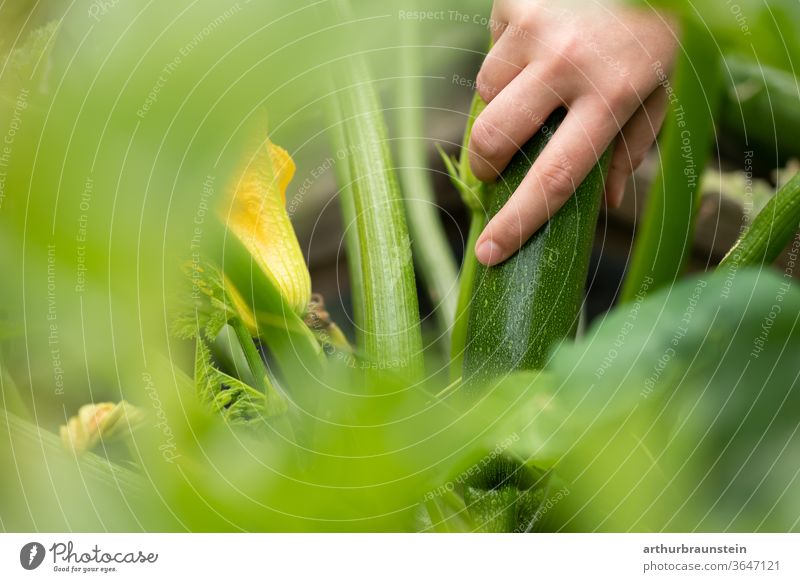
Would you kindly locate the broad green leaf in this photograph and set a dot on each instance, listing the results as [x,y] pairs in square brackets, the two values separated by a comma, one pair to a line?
[674,409]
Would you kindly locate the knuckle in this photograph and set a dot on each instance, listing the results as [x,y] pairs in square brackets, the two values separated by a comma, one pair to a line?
[507,230]
[556,180]
[484,86]
[621,97]
[561,70]
[527,20]
[570,48]
[483,140]
[549,70]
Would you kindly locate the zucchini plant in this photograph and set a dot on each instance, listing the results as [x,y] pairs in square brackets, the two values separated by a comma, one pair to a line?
[675,411]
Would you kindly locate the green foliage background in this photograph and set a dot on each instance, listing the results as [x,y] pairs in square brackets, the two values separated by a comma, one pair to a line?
[90,182]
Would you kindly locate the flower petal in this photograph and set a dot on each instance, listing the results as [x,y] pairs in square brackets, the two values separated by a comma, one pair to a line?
[258,217]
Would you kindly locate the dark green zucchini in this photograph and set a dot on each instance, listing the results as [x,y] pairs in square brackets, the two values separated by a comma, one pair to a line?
[524,306]
[519,310]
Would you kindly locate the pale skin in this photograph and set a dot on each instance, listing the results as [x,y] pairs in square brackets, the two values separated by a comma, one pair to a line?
[604,63]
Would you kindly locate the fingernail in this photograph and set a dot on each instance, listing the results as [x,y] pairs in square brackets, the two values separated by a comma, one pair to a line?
[488,253]
[614,194]
[618,195]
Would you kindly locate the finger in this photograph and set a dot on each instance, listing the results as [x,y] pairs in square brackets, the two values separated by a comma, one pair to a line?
[508,122]
[617,177]
[504,62]
[633,144]
[498,21]
[574,149]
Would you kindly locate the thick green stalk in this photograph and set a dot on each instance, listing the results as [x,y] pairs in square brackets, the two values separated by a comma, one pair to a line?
[432,253]
[666,230]
[770,231]
[390,326]
[348,207]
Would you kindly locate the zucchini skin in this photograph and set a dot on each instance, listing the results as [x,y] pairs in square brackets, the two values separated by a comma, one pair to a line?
[522,307]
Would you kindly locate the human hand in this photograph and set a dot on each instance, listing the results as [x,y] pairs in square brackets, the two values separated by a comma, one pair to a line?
[605,63]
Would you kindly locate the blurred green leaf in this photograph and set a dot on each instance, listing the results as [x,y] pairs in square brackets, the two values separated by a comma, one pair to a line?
[674,409]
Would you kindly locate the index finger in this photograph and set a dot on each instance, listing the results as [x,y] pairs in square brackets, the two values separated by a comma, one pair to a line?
[572,152]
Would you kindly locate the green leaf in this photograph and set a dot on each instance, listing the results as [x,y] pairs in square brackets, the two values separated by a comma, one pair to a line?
[233,399]
[203,306]
[44,487]
[675,412]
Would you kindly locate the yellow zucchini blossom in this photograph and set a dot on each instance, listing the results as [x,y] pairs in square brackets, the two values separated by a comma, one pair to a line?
[256,214]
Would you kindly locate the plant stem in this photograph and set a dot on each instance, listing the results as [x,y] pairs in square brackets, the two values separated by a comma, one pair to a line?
[295,348]
[257,368]
[239,345]
[666,233]
[770,231]
[473,194]
[230,355]
[348,208]
[391,327]
[432,252]
[466,283]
